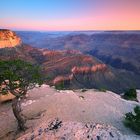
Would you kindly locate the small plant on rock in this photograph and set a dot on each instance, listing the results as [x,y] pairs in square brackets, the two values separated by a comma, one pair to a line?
[60,86]
[102,90]
[132,120]
[131,94]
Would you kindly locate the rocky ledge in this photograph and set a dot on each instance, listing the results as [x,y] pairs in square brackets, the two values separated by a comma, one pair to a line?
[58,130]
[9,39]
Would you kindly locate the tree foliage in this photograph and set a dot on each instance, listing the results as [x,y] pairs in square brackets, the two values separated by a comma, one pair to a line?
[60,86]
[17,77]
[132,120]
[131,94]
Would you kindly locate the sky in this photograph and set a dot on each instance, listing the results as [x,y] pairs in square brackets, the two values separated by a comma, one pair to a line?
[70,15]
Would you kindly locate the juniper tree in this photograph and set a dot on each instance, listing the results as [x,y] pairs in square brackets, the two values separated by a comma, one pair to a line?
[17,77]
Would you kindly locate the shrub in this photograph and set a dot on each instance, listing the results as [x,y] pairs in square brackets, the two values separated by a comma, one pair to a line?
[131,94]
[84,90]
[102,89]
[60,86]
[132,120]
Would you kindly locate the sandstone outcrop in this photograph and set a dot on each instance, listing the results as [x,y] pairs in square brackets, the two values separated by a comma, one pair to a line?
[58,130]
[60,79]
[9,39]
[98,67]
[83,70]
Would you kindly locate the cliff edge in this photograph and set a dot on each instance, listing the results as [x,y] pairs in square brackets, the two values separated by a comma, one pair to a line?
[9,39]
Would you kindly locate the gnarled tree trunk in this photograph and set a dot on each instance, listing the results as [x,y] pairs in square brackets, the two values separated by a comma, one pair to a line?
[16,106]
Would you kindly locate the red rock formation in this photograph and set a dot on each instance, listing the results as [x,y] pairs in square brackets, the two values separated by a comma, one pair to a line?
[88,59]
[60,79]
[84,70]
[79,70]
[99,67]
[9,39]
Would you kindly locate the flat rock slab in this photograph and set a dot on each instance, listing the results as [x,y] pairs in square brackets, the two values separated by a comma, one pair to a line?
[46,103]
[58,130]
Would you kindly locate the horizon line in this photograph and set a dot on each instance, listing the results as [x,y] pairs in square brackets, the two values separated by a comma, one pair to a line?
[88,30]
[76,30]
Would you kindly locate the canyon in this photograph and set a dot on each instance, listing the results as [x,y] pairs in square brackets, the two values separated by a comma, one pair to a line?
[88,107]
[111,47]
[74,68]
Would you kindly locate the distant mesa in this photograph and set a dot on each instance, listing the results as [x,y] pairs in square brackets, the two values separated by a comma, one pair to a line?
[9,39]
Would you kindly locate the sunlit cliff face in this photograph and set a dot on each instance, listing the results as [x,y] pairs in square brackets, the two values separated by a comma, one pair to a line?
[80,70]
[9,39]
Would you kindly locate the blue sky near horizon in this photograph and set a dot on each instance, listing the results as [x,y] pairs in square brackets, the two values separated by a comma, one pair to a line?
[70,14]
[46,8]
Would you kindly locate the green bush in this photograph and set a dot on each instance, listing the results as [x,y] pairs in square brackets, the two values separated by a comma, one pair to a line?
[131,94]
[48,77]
[132,120]
[102,89]
[60,86]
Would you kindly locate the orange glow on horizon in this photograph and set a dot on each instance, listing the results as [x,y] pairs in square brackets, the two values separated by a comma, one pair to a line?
[124,16]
